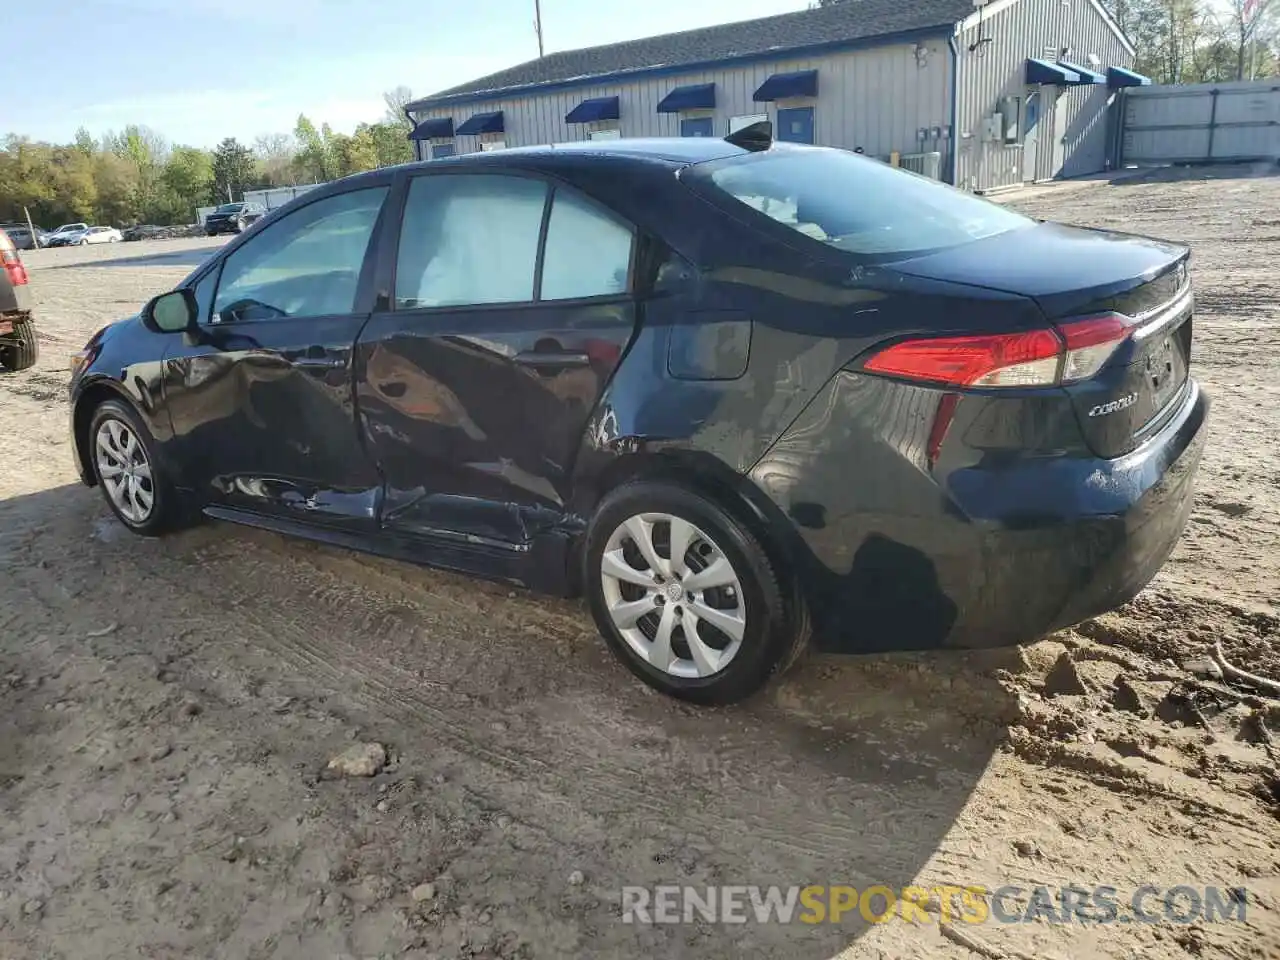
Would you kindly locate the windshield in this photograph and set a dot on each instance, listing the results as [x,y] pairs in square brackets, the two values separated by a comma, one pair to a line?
[230,208]
[857,204]
[68,227]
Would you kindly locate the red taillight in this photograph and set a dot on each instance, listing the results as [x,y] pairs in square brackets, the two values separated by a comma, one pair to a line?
[1035,358]
[998,360]
[11,261]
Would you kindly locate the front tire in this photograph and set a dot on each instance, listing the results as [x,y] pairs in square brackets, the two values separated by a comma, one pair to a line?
[133,480]
[23,351]
[686,596]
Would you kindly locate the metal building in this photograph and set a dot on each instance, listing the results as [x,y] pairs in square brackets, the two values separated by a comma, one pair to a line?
[982,93]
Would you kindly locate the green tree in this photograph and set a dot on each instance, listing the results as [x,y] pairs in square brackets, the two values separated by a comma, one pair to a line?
[390,142]
[314,164]
[232,170]
[187,179]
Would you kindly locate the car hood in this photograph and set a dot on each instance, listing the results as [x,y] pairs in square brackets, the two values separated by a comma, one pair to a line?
[1063,268]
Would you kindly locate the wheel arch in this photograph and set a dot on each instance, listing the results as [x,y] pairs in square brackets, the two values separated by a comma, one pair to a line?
[92,397]
[704,474]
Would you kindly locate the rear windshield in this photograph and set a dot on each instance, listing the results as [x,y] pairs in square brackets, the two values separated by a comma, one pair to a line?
[857,204]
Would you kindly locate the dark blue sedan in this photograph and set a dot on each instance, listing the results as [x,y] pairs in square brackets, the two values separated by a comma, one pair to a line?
[740,394]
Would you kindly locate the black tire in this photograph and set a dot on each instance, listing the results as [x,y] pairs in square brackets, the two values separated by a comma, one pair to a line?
[23,349]
[168,511]
[775,631]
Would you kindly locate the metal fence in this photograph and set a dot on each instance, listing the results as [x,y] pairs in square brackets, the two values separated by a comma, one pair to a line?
[1201,123]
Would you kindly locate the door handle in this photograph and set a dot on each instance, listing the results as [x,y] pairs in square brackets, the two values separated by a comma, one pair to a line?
[552,359]
[317,363]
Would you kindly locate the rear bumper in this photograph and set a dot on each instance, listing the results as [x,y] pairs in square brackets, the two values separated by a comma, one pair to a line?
[894,555]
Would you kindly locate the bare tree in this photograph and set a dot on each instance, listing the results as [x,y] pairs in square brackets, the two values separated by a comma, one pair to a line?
[396,100]
[1245,25]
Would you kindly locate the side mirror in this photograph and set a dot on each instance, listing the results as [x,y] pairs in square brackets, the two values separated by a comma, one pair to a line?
[171,312]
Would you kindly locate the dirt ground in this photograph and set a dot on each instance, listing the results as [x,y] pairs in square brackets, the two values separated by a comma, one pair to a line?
[167,707]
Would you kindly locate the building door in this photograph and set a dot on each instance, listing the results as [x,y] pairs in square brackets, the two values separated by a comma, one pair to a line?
[1045,169]
[795,124]
[1031,134]
[697,127]
[1062,112]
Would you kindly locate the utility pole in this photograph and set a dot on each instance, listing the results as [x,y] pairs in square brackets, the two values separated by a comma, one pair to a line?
[35,238]
[537,24]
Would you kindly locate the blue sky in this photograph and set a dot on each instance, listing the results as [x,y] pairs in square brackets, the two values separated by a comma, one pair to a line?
[200,70]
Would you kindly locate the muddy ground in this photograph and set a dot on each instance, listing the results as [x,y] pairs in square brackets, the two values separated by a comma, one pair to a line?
[166,708]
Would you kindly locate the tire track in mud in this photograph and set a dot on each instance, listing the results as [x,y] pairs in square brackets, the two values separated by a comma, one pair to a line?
[331,634]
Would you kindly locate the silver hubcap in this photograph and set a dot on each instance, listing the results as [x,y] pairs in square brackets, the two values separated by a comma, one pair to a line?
[673,595]
[125,470]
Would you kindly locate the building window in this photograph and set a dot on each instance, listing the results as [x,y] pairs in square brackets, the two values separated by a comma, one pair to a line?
[443,148]
[697,127]
[795,124]
[488,145]
[737,123]
[605,133]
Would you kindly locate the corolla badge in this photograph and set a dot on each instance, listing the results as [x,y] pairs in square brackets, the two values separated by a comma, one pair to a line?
[1115,406]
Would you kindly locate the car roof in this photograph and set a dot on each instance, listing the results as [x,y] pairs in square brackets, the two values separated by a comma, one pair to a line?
[668,151]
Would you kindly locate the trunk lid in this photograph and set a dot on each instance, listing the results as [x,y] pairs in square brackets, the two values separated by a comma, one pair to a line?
[1072,273]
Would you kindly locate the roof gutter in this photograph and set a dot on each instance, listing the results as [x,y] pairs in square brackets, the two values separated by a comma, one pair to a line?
[953,161]
[782,53]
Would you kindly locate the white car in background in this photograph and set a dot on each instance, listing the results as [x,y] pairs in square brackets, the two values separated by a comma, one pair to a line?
[95,235]
[59,237]
[78,234]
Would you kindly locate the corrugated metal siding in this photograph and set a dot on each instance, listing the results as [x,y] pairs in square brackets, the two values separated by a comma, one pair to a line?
[1202,122]
[1034,28]
[876,99]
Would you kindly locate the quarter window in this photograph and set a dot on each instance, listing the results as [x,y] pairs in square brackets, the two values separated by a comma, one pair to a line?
[588,253]
[469,240]
[305,265]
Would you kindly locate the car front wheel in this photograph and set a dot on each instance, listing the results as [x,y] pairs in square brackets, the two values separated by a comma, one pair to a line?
[686,596]
[132,480]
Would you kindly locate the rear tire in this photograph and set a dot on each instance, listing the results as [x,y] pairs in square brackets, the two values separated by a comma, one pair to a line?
[132,477]
[22,351]
[723,588]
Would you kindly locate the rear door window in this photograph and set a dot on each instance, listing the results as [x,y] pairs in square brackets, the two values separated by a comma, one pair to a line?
[588,252]
[469,239]
[856,204]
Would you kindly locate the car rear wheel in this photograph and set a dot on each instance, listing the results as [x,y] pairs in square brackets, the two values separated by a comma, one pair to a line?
[132,479]
[686,596]
[23,349]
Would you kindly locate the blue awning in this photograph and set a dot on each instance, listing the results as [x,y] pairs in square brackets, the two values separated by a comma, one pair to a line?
[1120,77]
[1087,76]
[1041,71]
[802,83]
[697,96]
[482,123]
[431,129]
[589,111]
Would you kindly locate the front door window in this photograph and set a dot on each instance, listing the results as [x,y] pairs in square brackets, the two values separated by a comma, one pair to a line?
[305,265]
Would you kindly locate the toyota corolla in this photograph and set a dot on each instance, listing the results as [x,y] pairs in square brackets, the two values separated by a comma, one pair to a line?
[740,394]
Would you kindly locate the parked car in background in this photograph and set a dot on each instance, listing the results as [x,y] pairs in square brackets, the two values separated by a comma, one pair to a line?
[18,345]
[233,218]
[21,237]
[736,392]
[59,236]
[79,238]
